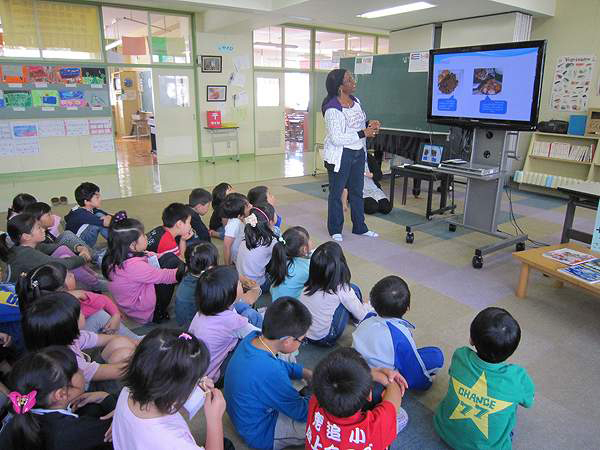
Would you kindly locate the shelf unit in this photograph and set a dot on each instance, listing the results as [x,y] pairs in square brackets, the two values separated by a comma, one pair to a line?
[546,172]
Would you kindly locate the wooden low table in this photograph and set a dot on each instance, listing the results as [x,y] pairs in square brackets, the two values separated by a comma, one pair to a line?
[535,259]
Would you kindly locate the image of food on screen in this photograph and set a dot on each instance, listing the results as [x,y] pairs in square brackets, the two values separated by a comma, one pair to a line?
[487,81]
[448,80]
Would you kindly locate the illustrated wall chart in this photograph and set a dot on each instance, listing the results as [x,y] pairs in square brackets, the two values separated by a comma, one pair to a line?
[572,83]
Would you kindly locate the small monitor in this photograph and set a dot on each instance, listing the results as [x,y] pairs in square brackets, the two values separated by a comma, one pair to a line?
[431,154]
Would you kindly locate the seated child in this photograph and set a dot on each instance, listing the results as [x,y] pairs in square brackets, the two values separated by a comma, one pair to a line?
[385,339]
[132,273]
[10,314]
[235,208]
[161,379]
[261,194]
[265,408]
[45,384]
[101,314]
[338,414]
[329,296]
[288,268]
[217,323]
[257,246]
[19,203]
[87,220]
[56,319]
[480,408]
[199,201]
[216,225]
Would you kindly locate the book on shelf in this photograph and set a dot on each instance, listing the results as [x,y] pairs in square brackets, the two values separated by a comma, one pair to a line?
[569,256]
[563,150]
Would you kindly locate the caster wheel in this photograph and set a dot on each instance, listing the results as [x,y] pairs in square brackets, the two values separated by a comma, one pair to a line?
[477,262]
[451,227]
[520,246]
[410,238]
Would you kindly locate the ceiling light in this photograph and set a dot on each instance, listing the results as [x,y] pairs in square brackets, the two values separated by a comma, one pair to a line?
[416,6]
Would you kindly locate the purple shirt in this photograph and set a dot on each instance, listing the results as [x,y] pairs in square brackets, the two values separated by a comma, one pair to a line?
[86,340]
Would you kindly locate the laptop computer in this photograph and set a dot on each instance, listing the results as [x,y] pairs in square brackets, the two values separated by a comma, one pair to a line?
[429,157]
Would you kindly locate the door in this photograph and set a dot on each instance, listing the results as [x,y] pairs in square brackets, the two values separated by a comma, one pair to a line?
[269,113]
[175,115]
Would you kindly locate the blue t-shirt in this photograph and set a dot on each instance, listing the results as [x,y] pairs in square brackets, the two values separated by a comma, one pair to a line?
[10,316]
[185,300]
[257,388]
[294,282]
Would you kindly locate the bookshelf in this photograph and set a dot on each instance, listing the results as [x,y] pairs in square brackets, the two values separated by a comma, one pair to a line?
[559,158]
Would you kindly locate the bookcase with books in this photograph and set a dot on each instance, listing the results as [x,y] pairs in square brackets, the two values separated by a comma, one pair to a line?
[554,159]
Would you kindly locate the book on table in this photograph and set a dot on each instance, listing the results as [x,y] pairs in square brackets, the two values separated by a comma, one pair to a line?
[568,256]
[588,272]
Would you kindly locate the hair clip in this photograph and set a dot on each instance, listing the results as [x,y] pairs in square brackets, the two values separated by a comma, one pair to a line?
[262,212]
[120,216]
[35,284]
[251,220]
[185,336]
[282,240]
[22,403]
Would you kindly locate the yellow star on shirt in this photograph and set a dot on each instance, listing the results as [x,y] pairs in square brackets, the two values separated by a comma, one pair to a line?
[475,404]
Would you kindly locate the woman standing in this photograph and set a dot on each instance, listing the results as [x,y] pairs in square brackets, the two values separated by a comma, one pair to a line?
[344,152]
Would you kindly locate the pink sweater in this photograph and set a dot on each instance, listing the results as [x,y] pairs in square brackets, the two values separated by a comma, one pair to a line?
[132,287]
[95,302]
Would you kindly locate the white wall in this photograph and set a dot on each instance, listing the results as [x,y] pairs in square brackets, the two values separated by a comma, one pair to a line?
[409,40]
[479,31]
[208,44]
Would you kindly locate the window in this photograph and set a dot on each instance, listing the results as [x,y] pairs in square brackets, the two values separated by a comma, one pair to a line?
[383,45]
[297,48]
[267,91]
[126,35]
[18,29]
[297,91]
[267,47]
[329,48]
[170,39]
[359,44]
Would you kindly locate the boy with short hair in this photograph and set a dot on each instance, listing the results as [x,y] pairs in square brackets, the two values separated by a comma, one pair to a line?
[265,408]
[199,201]
[87,220]
[338,417]
[480,408]
[235,208]
[385,339]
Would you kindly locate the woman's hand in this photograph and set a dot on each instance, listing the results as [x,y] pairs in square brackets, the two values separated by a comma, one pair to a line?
[375,124]
[370,131]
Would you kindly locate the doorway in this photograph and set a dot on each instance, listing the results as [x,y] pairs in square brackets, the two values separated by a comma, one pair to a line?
[297,97]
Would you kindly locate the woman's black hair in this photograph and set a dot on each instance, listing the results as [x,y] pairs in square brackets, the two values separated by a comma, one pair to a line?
[328,269]
[16,227]
[335,79]
[19,203]
[165,368]
[201,256]
[37,209]
[216,289]
[51,320]
[38,282]
[43,371]
[258,194]
[219,193]
[294,240]
[261,234]
[122,232]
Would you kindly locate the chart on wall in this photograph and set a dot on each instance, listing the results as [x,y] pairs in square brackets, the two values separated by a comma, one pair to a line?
[572,83]
[52,91]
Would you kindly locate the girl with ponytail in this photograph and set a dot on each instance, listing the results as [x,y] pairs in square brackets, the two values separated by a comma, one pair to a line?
[289,263]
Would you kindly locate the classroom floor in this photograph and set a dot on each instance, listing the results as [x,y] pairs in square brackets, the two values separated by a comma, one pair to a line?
[559,326]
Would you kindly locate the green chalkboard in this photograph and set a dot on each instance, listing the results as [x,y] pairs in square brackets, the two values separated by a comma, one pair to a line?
[392,94]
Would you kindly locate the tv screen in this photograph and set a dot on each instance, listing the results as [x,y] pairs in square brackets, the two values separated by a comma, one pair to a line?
[489,85]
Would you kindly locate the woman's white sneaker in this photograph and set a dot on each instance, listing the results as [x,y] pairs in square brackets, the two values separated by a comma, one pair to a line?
[370,233]
[337,237]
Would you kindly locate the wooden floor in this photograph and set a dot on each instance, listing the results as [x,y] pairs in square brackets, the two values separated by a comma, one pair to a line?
[134,152]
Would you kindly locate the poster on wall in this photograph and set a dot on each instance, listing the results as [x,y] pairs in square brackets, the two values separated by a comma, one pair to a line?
[44,97]
[24,130]
[72,99]
[51,128]
[38,74]
[77,127]
[97,99]
[94,76]
[18,99]
[2,104]
[102,143]
[66,75]
[572,82]
[14,73]
[100,126]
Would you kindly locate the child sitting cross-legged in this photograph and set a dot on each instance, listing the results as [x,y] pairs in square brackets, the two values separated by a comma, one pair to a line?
[339,415]
[87,220]
[216,224]
[234,208]
[260,195]
[288,268]
[265,408]
[484,391]
[385,339]
[199,202]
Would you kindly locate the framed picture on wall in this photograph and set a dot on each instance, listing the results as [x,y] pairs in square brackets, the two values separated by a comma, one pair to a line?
[216,93]
[211,64]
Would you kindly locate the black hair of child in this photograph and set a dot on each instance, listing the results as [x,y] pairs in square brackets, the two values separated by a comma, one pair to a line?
[219,193]
[43,371]
[38,282]
[216,289]
[328,269]
[51,320]
[164,369]
[174,213]
[234,205]
[199,196]
[85,191]
[15,228]
[19,203]
[37,209]
[286,317]
[258,194]
[121,234]
[342,382]
[201,256]
[390,297]
[261,234]
[495,334]
[296,240]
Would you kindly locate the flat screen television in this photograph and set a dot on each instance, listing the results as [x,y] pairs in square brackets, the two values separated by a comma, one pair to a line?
[494,85]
